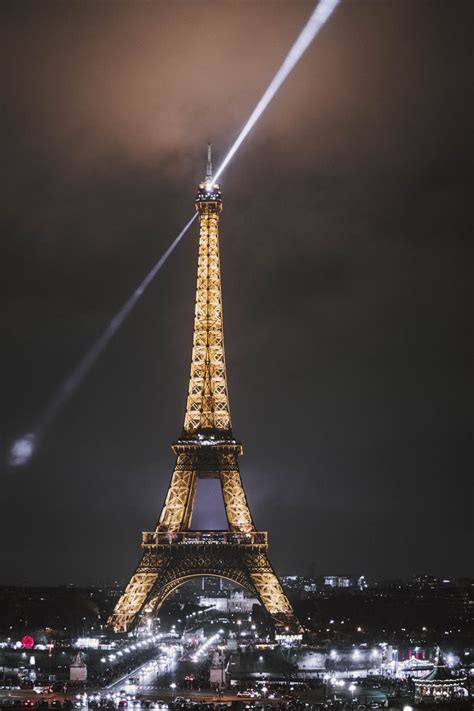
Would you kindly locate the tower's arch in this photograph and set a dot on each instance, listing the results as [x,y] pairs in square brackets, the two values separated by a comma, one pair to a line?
[154,603]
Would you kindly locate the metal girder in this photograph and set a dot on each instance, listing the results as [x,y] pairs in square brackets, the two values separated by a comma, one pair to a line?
[207,405]
[219,462]
[177,510]
[126,610]
[235,501]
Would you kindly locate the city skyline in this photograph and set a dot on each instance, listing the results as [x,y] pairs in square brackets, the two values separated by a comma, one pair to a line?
[347,353]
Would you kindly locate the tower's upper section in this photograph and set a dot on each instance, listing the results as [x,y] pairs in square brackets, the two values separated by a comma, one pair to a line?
[207,417]
[209,195]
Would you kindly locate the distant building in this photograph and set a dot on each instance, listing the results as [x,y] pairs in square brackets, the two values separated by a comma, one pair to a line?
[237,601]
[303,586]
[300,586]
[211,586]
[338,581]
[345,581]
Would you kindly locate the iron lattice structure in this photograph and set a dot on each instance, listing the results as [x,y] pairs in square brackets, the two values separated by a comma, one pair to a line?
[173,553]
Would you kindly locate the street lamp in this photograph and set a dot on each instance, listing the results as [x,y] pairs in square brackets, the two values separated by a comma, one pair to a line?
[172,687]
[352,688]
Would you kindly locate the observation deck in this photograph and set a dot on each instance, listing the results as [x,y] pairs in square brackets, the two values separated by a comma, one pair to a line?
[155,539]
[209,196]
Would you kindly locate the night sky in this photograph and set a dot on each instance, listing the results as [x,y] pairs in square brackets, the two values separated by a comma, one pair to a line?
[347,277]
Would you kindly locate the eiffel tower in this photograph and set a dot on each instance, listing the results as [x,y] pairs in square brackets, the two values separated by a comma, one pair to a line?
[173,553]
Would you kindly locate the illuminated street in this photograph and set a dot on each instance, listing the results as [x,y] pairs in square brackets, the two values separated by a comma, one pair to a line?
[147,679]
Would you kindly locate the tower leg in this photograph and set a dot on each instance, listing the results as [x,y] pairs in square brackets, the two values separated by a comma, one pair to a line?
[178,506]
[271,593]
[135,594]
[236,504]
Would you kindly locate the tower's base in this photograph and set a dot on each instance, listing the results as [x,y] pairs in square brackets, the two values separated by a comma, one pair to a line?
[169,560]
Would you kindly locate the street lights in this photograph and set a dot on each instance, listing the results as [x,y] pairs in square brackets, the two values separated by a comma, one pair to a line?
[352,688]
[172,687]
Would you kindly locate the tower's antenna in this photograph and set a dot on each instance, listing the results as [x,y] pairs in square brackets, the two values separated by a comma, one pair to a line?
[209,163]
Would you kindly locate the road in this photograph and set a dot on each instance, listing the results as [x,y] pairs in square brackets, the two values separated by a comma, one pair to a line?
[147,676]
[147,682]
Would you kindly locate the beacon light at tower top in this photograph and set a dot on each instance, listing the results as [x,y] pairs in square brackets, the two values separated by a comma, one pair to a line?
[23,449]
[208,190]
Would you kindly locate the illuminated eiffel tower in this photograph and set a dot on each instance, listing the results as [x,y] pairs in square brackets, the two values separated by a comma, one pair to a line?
[173,553]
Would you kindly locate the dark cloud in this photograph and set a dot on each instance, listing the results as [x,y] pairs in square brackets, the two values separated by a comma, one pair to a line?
[347,275]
